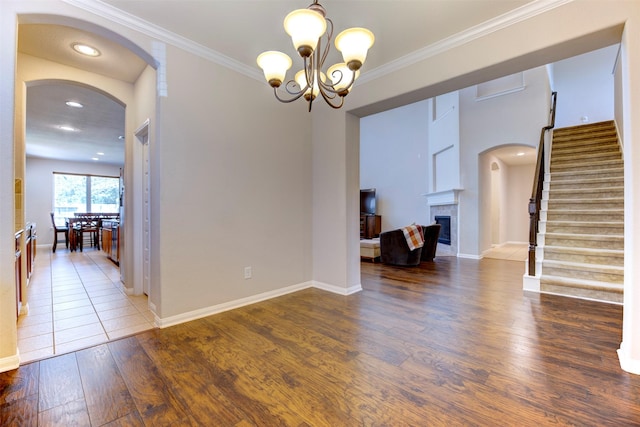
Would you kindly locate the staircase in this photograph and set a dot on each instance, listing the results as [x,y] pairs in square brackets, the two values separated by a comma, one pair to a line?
[582,217]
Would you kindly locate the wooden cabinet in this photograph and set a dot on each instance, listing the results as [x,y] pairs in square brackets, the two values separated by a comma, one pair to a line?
[370,226]
[110,236]
[18,268]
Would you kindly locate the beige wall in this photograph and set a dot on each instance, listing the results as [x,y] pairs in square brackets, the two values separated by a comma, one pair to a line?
[234,187]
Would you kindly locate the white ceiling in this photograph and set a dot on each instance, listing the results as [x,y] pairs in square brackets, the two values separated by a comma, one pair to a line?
[242,29]
[238,29]
[100,122]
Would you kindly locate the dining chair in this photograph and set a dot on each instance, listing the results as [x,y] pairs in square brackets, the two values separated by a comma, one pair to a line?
[59,229]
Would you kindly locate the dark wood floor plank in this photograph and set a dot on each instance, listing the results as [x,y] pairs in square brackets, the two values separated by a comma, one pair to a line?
[193,385]
[132,419]
[105,391]
[154,401]
[59,382]
[68,414]
[19,383]
[308,398]
[20,412]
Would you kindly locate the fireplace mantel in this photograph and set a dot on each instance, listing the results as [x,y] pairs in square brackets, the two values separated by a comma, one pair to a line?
[446,197]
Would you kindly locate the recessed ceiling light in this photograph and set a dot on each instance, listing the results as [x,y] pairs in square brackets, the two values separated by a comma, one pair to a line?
[67,128]
[95,158]
[121,137]
[100,153]
[85,49]
[74,104]
[520,154]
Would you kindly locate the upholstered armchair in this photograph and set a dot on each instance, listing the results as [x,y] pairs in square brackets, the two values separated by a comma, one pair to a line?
[431,234]
[394,249]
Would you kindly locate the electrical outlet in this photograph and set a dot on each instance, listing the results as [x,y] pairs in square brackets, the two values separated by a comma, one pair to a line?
[247,272]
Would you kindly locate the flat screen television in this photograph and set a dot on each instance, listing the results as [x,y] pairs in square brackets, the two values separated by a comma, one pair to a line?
[368,201]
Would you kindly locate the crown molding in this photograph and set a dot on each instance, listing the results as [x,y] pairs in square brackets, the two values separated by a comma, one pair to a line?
[522,13]
[529,10]
[130,21]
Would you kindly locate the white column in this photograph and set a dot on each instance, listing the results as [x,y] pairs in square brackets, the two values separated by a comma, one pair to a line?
[629,352]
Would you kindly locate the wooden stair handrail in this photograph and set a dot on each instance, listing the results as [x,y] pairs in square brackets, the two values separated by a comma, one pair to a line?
[536,193]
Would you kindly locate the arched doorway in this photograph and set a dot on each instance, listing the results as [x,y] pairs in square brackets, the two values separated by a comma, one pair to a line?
[40,62]
[506,174]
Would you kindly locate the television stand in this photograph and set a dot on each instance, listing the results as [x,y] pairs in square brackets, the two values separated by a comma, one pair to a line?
[370,226]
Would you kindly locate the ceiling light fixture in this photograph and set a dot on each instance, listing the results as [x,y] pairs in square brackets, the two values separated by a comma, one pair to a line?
[85,49]
[67,128]
[100,153]
[74,104]
[306,28]
[520,154]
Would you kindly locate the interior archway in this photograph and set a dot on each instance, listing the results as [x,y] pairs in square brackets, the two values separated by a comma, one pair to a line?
[133,89]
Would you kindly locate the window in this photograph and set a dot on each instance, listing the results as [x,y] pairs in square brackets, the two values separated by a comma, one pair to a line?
[84,193]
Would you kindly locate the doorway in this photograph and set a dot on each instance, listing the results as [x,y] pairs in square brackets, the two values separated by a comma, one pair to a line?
[35,65]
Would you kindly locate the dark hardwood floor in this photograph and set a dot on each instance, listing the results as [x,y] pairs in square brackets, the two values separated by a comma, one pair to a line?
[454,342]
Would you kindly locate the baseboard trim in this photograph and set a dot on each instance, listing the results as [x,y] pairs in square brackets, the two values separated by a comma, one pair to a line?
[10,363]
[220,308]
[337,289]
[469,256]
[627,363]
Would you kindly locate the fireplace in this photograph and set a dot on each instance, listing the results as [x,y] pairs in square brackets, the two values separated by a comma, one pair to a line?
[445,229]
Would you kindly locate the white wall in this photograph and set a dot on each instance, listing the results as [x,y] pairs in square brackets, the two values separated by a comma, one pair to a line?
[618,109]
[512,119]
[585,86]
[444,142]
[520,180]
[39,189]
[394,161]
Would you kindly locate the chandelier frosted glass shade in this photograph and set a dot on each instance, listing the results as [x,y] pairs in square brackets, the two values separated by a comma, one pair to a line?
[311,32]
[354,43]
[305,27]
[275,65]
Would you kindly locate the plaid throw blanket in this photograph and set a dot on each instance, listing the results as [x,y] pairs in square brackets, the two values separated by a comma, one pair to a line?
[413,235]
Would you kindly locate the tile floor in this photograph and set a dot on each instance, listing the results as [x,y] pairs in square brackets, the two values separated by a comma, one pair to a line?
[509,251]
[76,301]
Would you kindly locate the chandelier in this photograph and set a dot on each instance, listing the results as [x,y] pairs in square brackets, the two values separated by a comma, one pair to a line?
[307,28]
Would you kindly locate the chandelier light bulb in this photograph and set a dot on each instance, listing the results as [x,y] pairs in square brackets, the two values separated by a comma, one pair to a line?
[275,65]
[305,26]
[354,44]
